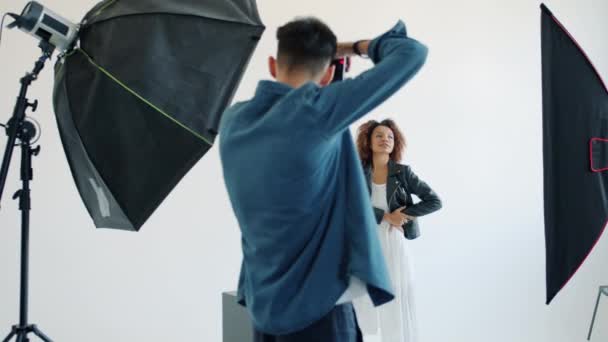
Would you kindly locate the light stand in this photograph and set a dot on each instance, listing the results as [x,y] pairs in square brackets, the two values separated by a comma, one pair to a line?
[18,128]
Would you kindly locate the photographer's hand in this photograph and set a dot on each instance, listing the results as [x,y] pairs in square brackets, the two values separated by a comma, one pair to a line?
[347,49]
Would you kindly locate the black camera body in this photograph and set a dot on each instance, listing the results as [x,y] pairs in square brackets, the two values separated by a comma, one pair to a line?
[342,65]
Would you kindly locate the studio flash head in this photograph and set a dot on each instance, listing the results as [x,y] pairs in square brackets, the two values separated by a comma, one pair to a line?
[45,25]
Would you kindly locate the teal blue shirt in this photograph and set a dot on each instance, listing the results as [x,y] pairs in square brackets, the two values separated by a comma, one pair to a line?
[297,189]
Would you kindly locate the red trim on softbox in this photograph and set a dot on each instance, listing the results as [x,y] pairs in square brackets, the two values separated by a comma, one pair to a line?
[591,154]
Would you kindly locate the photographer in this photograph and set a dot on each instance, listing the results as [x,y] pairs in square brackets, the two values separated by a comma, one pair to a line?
[297,187]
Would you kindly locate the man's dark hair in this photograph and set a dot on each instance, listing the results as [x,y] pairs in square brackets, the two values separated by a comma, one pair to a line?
[306,44]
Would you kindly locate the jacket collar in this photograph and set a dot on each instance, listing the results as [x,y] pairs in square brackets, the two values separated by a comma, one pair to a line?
[393,169]
[267,87]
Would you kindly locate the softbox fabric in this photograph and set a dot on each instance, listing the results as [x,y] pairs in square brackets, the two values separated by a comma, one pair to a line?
[139,101]
[575,130]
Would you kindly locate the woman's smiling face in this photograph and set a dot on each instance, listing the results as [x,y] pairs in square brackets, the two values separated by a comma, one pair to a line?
[382,140]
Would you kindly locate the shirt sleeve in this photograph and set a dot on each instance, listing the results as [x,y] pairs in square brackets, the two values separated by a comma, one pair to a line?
[397,59]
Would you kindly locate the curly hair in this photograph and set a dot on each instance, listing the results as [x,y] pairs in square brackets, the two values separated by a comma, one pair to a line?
[364,138]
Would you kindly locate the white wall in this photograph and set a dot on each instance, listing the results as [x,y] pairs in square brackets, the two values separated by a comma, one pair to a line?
[473,122]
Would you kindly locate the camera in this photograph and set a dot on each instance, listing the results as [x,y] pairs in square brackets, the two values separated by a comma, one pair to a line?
[342,65]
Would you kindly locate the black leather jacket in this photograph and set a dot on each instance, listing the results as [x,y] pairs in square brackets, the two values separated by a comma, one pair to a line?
[401,184]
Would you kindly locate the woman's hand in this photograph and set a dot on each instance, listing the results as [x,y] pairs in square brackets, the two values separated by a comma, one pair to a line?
[397,218]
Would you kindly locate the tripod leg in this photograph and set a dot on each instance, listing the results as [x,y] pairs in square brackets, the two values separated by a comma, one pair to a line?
[597,302]
[41,335]
[11,335]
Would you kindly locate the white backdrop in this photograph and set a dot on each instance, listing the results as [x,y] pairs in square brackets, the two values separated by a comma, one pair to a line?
[473,122]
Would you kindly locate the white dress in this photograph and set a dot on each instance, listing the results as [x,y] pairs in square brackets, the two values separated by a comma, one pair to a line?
[394,321]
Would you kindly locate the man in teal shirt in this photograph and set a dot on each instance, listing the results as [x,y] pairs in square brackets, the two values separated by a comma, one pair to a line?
[297,187]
